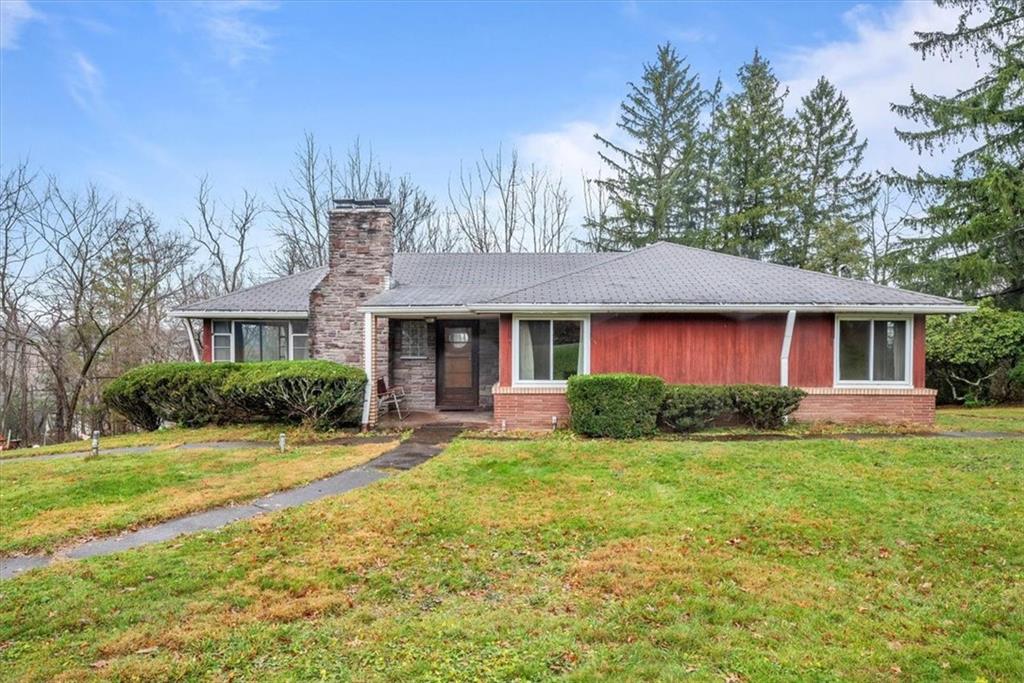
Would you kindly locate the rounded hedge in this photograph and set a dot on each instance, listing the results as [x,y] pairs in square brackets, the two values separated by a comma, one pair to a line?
[690,407]
[620,406]
[322,393]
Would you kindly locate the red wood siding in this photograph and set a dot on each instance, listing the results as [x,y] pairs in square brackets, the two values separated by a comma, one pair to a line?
[919,351]
[505,350]
[207,341]
[712,349]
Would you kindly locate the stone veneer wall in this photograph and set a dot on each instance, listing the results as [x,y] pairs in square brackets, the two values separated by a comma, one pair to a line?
[360,259]
[850,406]
[418,376]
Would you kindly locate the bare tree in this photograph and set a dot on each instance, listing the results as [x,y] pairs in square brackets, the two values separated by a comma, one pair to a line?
[597,210]
[889,227]
[106,268]
[301,210]
[224,243]
[544,209]
[18,249]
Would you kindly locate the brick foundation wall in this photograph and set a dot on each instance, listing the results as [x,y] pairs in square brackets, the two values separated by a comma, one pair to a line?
[529,408]
[885,406]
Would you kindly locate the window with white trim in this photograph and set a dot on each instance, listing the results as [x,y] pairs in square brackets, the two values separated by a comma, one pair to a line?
[413,338]
[873,350]
[549,350]
[221,340]
[300,337]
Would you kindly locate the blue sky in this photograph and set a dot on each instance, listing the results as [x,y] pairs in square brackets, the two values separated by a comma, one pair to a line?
[143,98]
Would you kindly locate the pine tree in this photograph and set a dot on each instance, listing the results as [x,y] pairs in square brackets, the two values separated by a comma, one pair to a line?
[833,195]
[973,243]
[653,186]
[710,207]
[757,182]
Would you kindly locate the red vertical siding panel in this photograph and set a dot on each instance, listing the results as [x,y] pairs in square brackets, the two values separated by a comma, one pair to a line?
[811,355]
[505,350]
[207,341]
[919,351]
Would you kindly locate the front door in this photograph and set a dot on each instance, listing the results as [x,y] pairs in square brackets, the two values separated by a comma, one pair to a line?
[458,376]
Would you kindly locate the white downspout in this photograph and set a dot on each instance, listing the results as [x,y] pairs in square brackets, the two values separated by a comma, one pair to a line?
[367,367]
[191,338]
[787,341]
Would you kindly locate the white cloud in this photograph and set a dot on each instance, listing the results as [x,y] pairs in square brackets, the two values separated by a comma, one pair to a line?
[877,67]
[569,150]
[85,83]
[231,28]
[14,15]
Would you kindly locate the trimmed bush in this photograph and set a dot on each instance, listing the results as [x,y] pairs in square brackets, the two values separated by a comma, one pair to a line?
[690,407]
[195,394]
[620,406]
[763,406]
[319,392]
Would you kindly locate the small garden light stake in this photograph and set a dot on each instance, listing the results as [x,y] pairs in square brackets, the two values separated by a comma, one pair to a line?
[280,441]
[96,442]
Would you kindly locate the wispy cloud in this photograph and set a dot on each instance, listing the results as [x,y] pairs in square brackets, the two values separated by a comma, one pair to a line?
[232,29]
[14,15]
[85,84]
[876,67]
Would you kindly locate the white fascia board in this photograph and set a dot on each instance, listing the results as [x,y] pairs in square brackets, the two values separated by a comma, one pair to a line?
[720,308]
[241,315]
[419,311]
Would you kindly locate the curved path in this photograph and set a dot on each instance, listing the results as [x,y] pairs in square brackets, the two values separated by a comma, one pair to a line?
[424,443]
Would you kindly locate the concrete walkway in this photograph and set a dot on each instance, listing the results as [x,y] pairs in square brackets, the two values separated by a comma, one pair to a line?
[424,443]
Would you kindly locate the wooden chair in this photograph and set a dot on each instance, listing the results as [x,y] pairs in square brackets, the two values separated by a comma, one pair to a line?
[390,397]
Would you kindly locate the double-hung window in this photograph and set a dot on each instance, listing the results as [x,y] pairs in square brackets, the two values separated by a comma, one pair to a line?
[300,337]
[549,351]
[874,350]
[221,340]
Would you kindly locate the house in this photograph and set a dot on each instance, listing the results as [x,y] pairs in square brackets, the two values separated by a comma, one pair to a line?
[503,332]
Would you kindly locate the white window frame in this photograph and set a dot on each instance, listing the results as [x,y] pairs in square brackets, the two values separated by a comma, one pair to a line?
[292,334]
[584,348]
[230,334]
[853,383]
[402,353]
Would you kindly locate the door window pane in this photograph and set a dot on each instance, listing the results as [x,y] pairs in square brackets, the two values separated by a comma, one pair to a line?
[274,341]
[534,349]
[567,348]
[890,345]
[247,342]
[854,347]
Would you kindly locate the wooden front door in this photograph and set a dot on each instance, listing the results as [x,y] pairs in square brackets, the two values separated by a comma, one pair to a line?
[458,372]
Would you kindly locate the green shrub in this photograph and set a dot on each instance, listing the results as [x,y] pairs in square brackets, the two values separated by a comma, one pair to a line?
[618,405]
[319,392]
[127,395]
[765,406]
[970,357]
[190,394]
[689,407]
[194,394]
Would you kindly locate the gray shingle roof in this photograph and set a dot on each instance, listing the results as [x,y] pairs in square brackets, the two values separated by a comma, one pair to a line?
[659,274]
[283,295]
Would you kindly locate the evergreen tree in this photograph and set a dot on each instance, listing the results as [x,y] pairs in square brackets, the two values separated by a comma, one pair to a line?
[653,186]
[710,206]
[833,195]
[757,180]
[973,242]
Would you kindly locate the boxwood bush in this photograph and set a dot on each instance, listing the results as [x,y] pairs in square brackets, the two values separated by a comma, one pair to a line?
[620,406]
[689,407]
[765,406]
[318,392]
[194,394]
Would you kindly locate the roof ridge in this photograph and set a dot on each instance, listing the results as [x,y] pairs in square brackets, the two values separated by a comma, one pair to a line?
[804,270]
[258,285]
[613,259]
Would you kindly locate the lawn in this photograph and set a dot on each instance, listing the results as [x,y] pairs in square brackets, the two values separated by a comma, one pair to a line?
[994,419]
[49,502]
[530,560]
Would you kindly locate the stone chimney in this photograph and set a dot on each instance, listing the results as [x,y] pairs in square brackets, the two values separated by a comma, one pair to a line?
[361,234]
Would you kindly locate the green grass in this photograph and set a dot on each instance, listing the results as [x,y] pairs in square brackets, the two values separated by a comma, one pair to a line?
[170,438]
[44,504]
[815,560]
[995,419]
